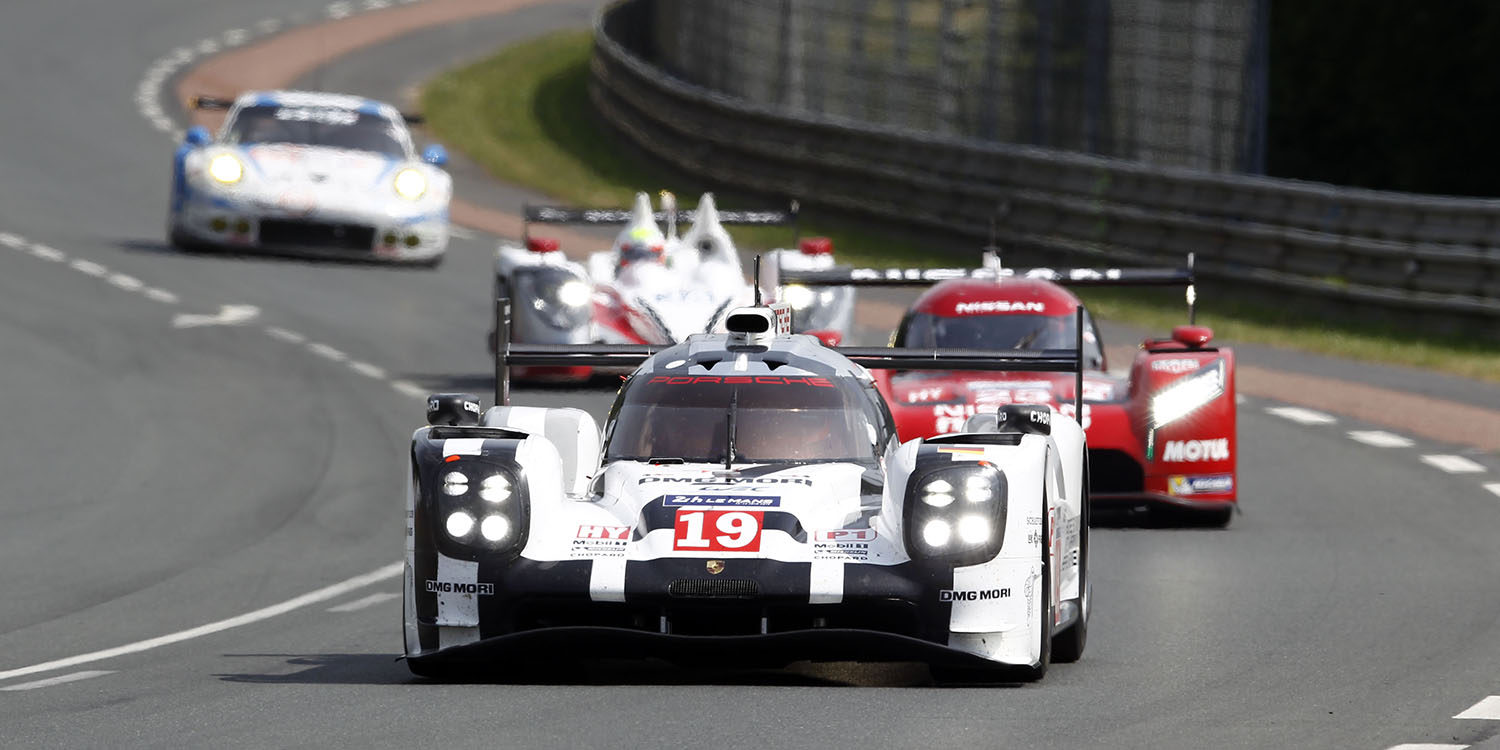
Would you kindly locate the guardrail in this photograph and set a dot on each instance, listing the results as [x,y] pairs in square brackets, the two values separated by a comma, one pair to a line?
[1396,250]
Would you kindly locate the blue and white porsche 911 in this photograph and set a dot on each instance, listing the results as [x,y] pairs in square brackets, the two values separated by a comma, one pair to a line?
[308,173]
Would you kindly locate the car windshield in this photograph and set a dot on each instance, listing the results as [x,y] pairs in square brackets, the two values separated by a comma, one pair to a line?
[777,419]
[335,127]
[998,332]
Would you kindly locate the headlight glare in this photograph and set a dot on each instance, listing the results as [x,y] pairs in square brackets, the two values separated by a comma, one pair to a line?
[939,527]
[936,533]
[974,529]
[798,296]
[574,293]
[459,524]
[455,483]
[226,169]
[410,184]
[494,528]
[495,489]
[1188,393]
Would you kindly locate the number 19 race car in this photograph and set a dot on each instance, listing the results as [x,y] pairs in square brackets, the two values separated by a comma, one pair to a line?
[305,173]
[1162,436]
[750,504]
[649,286]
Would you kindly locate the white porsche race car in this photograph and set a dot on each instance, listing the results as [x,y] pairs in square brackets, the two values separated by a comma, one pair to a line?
[650,286]
[750,505]
[305,173]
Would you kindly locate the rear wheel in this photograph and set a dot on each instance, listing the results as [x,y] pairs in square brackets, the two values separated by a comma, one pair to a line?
[1067,646]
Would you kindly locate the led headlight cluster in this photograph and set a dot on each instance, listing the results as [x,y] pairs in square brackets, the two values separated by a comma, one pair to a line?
[410,184]
[481,506]
[226,169]
[956,512]
[1188,393]
[563,300]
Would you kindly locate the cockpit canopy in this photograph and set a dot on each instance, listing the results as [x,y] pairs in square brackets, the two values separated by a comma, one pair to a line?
[777,418]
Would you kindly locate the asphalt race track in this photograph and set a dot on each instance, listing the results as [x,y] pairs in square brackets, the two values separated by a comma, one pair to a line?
[176,477]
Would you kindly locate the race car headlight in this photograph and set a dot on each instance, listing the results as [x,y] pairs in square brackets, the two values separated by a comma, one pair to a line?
[481,508]
[410,184]
[814,308]
[798,296]
[226,169]
[956,513]
[560,299]
[1187,394]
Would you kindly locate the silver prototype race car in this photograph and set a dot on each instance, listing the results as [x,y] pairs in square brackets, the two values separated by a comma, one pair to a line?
[326,175]
[748,502]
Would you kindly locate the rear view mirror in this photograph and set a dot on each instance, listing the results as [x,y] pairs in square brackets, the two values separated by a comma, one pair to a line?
[435,155]
[196,135]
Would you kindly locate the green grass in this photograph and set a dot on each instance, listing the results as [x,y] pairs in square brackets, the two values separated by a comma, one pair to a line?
[524,114]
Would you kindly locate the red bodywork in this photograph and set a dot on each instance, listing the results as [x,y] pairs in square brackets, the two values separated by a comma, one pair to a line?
[1188,461]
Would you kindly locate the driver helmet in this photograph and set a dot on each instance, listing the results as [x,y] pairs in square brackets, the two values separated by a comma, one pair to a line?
[641,244]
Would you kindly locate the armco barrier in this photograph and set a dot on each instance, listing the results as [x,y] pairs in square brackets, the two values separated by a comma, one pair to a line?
[1395,250]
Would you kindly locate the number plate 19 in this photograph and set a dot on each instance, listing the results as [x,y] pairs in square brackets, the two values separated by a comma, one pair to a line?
[718,531]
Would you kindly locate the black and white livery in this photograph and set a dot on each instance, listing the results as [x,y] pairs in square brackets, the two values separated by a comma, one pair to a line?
[747,501]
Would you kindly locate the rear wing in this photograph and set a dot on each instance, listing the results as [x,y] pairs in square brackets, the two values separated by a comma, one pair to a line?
[203,101]
[508,354]
[1184,276]
[537,214]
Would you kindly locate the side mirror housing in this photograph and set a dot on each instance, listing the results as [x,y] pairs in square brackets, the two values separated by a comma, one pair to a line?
[197,135]
[453,409]
[1193,336]
[435,155]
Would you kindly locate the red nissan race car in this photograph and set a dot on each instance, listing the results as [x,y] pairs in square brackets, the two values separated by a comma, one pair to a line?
[1161,435]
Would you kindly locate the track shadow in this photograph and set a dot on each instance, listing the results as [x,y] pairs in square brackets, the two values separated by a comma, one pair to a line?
[158,247]
[1152,518]
[384,669]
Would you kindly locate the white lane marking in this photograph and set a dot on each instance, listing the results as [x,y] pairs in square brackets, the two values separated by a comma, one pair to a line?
[89,267]
[1426,746]
[282,334]
[340,10]
[161,295]
[369,601]
[1452,464]
[377,4]
[48,253]
[12,240]
[1494,488]
[1489,709]
[59,680]
[327,352]
[1380,439]
[368,370]
[128,283]
[378,575]
[462,233]
[268,25]
[208,46]
[235,37]
[1239,398]
[1300,415]
[408,388]
[228,315]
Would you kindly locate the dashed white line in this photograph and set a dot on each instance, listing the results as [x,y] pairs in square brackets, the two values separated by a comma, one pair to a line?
[1300,415]
[282,334]
[128,283]
[368,370]
[268,25]
[59,680]
[376,4]
[369,601]
[89,267]
[161,295]
[48,253]
[340,10]
[208,46]
[1380,439]
[408,388]
[1489,709]
[326,352]
[12,240]
[312,597]
[235,37]
[1426,746]
[1493,487]
[1452,464]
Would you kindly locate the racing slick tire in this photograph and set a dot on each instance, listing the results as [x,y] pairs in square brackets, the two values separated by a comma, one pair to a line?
[1067,646]
[948,674]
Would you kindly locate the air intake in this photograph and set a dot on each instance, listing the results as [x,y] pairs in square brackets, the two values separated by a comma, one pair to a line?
[712,588]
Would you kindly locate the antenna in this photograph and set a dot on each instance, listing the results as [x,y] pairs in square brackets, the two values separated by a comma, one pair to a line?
[757,279]
[796,224]
[669,205]
[1192,290]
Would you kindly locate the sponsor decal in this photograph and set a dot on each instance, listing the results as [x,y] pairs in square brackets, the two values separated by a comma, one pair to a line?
[1094,390]
[1174,366]
[925,394]
[963,451]
[725,481]
[1196,450]
[997,306]
[1208,484]
[845,545]
[982,595]
[736,501]
[741,380]
[595,541]
[717,531]
[450,587]
[320,115]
